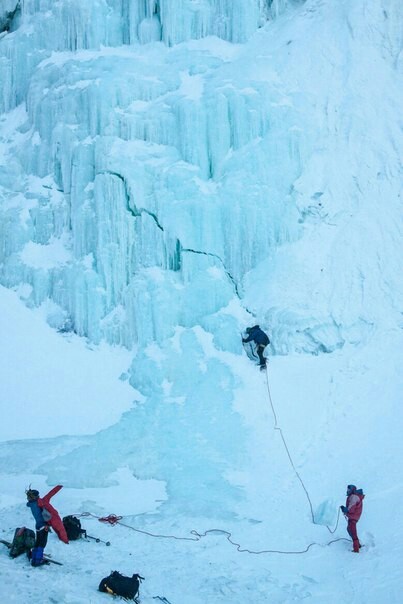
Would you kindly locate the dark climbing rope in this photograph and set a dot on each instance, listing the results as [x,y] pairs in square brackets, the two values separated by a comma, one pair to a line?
[198,536]
[263,551]
[277,427]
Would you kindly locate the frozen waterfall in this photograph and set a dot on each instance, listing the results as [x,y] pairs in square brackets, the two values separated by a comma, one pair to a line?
[138,156]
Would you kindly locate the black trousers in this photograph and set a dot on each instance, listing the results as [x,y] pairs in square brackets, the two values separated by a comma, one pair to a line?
[41,538]
[259,349]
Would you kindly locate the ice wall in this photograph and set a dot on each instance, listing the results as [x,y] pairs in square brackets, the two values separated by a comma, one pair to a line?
[151,153]
[163,170]
[174,21]
[47,26]
[137,156]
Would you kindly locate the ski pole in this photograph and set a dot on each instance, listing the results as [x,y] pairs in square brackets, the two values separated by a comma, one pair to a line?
[97,540]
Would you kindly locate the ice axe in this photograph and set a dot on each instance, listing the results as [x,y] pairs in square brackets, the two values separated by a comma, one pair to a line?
[97,540]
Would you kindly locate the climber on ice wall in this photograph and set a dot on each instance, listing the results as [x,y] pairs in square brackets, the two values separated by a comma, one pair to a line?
[261,339]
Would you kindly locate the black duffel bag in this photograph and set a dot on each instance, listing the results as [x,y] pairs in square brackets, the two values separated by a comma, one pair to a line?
[119,585]
[73,528]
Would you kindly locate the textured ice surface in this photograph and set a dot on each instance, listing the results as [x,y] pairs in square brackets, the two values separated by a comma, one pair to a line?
[205,154]
[174,432]
[139,154]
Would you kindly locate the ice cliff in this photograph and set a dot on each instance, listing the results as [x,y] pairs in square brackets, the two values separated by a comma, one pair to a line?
[151,161]
[128,156]
[171,170]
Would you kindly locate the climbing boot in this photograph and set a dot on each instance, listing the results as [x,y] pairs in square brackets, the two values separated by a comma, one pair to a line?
[37,558]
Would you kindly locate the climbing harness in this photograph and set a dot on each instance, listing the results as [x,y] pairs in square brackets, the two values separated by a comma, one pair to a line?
[113,519]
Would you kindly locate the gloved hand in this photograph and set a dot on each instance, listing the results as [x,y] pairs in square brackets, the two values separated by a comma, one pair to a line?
[344,509]
[243,340]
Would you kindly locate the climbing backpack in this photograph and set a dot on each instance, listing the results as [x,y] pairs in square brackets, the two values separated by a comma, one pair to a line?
[73,528]
[119,585]
[23,541]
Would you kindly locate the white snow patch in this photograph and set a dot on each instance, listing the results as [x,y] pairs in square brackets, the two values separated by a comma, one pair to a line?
[47,256]
[51,385]
[192,86]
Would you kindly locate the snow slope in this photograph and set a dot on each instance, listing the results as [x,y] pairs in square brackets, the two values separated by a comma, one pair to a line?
[54,385]
[340,418]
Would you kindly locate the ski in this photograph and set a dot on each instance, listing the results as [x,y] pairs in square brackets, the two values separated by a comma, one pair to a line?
[49,559]
[46,556]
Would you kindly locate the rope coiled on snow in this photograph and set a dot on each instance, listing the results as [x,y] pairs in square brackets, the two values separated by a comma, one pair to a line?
[198,536]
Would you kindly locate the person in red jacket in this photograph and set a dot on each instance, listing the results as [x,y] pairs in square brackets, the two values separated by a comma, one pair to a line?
[353,510]
[48,512]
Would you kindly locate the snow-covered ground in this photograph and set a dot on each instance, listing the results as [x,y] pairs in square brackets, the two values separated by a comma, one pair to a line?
[171,172]
[52,385]
[340,415]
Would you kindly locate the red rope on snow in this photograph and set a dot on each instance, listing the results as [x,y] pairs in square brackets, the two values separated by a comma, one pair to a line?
[111,519]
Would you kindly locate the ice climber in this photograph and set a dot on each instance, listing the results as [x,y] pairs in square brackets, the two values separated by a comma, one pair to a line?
[260,338]
[45,516]
[353,510]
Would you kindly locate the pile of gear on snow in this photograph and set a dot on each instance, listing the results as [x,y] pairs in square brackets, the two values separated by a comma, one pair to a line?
[25,541]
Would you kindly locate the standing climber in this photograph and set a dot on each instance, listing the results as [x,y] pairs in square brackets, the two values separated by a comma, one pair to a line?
[45,516]
[261,339]
[353,510]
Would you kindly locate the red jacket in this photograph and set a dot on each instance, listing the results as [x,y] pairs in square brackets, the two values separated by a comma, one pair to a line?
[55,520]
[354,506]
